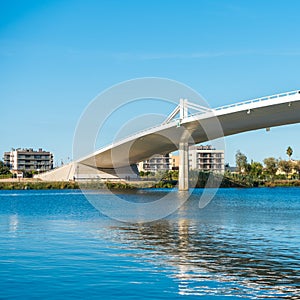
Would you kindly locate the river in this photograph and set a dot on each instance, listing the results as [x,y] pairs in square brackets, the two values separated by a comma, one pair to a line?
[244,244]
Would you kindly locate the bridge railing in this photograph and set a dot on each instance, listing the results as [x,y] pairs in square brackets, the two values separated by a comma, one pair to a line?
[265,98]
[258,100]
[175,120]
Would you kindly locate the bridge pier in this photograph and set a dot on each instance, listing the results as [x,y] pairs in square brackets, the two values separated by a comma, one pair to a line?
[183,176]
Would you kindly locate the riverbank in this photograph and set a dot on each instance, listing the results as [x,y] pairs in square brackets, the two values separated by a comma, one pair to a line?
[36,185]
[31,184]
[282,183]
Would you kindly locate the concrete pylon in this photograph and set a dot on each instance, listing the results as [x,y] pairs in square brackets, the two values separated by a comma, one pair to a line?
[183,176]
[183,112]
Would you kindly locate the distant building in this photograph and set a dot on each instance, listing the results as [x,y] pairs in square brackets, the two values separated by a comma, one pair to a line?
[156,163]
[174,161]
[28,160]
[294,169]
[17,173]
[231,169]
[206,158]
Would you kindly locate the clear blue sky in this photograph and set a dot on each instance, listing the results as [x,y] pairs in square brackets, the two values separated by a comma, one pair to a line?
[55,56]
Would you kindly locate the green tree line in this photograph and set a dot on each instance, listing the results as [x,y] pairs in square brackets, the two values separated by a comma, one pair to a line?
[270,167]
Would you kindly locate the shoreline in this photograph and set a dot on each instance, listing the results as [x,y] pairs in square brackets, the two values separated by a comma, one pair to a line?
[33,184]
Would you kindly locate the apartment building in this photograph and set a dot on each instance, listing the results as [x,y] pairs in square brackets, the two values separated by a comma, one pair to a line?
[206,158]
[156,163]
[29,160]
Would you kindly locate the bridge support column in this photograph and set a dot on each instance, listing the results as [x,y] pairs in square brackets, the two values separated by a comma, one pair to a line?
[183,176]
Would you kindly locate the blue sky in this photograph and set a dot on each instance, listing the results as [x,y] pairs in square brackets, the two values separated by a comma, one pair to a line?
[56,56]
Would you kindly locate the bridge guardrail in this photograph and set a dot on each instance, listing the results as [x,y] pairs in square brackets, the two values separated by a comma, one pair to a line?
[258,100]
[265,98]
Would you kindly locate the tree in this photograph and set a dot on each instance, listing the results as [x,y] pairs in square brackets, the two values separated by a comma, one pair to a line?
[296,167]
[289,152]
[286,166]
[271,166]
[241,161]
[4,170]
[162,175]
[256,169]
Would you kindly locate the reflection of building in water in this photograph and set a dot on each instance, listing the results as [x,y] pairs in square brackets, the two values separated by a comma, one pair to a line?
[203,257]
[183,269]
[13,223]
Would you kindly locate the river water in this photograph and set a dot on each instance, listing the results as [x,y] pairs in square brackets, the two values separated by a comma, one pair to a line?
[244,244]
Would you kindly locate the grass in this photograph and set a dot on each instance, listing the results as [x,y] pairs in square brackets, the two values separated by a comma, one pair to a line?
[39,185]
[201,183]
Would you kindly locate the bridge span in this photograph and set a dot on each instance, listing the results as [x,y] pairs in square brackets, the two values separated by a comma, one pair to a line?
[179,130]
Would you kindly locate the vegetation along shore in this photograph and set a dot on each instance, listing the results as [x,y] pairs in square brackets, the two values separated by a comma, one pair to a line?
[273,172]
[204,179]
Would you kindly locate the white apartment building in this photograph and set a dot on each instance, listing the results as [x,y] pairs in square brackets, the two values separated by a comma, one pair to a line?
[206,158]
[28,160]
[203,158]
[156,163]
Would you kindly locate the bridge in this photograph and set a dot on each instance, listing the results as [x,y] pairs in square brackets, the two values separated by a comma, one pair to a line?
[189,123]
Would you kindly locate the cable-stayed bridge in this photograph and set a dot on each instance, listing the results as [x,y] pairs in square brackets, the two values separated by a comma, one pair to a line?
[189,123]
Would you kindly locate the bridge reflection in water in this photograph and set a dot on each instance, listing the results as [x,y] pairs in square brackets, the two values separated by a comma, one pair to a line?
[223,249]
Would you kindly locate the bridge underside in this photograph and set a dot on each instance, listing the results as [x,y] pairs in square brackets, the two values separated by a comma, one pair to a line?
[167,140]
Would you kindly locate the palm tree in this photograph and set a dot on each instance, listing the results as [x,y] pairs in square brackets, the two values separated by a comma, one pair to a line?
[289,152]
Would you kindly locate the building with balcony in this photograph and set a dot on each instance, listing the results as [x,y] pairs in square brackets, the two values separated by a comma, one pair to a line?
[206,158]
[203,158]
[156,163]
[28,160]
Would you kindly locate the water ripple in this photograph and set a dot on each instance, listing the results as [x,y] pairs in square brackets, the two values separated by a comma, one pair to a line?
[55,243]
